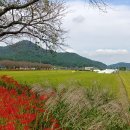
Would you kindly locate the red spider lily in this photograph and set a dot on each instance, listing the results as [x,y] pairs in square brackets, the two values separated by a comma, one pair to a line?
[8,126]
[20,107]
[43,97]
[27,118]
[26,128]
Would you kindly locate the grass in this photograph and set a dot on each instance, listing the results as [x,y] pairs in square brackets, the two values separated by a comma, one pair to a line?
[126,79]
[92,108]
[57,77]
[70,108]
[86,100]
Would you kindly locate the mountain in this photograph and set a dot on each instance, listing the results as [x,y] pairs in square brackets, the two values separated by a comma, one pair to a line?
[28,51]
[119,65]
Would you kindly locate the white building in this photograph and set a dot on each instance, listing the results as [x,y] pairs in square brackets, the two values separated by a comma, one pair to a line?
[89,68]
[96,70]
[108,71]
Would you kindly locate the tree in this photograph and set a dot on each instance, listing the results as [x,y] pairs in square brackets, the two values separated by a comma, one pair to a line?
[122,68]
[38,19]
[97,3]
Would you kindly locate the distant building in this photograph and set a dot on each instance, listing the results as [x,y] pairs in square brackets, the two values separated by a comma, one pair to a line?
[96,70]
[60,68]
[26,68]
[89,68]
[108,71]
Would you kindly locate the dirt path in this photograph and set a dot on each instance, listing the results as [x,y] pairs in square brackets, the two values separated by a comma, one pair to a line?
[123,94]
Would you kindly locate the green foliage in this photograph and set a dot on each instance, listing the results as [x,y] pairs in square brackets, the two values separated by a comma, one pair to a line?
[27,51]
[122,68]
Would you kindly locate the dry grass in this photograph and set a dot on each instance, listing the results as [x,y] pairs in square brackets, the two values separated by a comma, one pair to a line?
[80,108]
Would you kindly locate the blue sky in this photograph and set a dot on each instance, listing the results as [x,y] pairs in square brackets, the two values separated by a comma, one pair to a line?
[126,2]
[97,35]
[115,2]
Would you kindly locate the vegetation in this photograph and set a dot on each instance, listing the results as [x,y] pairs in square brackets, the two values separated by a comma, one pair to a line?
[37,19]
[125,76]
[93,108]
[27,51]
[121,66]
[61,100]
[15,65]
[40,20]
[88,108]
[22,109]
[54,78]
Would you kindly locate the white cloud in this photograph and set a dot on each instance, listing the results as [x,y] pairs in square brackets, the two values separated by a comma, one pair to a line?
[106,53]
[99,30]
[79,19]
[111,52]
[70,50]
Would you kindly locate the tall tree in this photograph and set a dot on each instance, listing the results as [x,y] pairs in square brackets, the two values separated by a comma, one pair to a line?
[38,19]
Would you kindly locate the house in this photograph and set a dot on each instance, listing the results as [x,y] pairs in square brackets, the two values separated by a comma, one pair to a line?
[89,68]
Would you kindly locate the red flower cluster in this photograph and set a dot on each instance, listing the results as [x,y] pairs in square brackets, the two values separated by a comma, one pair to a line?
[9,81]
[22,109]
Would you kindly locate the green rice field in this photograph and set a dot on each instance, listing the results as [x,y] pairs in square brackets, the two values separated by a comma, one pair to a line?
[126,79]
[55,78]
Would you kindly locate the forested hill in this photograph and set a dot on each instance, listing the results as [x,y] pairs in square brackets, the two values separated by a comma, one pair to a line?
[119,65]
[28,51]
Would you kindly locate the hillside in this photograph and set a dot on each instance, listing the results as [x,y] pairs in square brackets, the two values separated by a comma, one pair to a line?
[120,64]
[27,51]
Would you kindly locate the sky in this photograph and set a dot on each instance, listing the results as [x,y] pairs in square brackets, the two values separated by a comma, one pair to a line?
[99,35]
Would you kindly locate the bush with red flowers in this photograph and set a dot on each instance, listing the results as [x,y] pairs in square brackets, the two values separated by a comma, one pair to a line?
[21,109]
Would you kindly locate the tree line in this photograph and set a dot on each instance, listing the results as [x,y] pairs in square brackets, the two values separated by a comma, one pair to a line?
[23,65]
